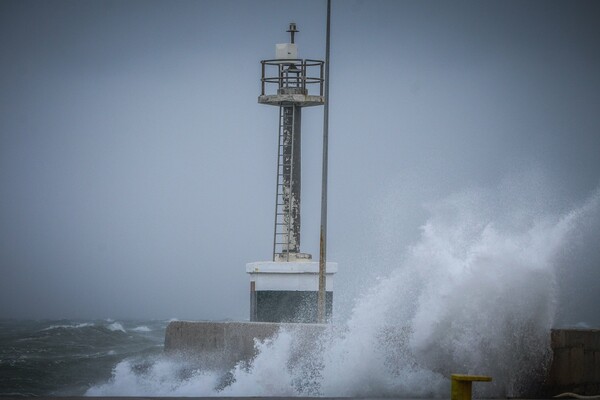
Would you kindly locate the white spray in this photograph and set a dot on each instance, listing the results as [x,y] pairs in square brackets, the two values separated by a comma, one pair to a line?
[476,294]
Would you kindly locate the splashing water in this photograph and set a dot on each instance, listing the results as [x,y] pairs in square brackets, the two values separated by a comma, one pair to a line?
[115,326]
[476,294]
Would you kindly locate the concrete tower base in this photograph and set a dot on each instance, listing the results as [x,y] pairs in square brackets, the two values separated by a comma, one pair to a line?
[287,291]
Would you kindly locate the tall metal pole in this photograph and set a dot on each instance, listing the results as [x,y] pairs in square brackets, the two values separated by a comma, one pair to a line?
[323,242]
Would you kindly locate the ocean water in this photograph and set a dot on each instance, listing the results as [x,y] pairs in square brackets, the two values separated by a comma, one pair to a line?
[478,292]
[67,358]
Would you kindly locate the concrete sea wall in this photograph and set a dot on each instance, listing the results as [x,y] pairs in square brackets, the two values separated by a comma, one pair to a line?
[220,345]
[576,363]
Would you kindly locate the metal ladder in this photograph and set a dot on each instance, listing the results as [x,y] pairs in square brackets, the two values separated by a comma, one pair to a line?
[283,198]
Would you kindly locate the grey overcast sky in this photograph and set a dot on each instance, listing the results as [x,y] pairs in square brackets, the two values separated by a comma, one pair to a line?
[137,169]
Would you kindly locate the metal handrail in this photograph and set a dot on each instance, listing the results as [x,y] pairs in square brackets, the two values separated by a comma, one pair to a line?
[301,74]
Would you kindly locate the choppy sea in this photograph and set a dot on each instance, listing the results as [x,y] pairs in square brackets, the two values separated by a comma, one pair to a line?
[68,357]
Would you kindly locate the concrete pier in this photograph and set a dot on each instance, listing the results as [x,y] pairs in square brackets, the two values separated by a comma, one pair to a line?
[221,345]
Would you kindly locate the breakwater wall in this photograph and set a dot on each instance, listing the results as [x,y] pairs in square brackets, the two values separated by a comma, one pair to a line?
[220,345]
[576,362]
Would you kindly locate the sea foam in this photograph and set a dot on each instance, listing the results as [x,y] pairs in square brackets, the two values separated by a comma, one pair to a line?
[70,326]
[142,328]
[116,327]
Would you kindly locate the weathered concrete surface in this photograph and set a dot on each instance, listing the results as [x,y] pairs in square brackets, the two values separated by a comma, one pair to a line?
[576,362]
[221,345]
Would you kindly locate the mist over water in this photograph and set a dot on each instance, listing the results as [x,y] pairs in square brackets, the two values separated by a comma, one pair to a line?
[477,293]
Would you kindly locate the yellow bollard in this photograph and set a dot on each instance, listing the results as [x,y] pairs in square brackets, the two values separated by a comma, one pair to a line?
[461,385]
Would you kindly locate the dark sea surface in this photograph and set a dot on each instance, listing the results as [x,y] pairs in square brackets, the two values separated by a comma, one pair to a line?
[67,357]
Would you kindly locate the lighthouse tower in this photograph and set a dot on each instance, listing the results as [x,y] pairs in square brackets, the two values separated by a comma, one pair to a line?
[285,289]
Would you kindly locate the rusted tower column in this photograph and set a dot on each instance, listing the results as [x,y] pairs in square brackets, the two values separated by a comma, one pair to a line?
[285,289]
[289,79]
